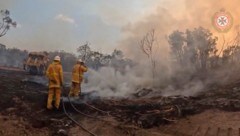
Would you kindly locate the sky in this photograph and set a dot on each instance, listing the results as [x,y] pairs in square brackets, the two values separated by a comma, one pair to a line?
[66,24]
[55,25]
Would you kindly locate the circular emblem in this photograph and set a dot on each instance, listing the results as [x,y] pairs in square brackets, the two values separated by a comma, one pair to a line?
[222,21]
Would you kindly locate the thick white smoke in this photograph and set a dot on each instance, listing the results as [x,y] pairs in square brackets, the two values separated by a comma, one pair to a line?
[165,19]
[111,83]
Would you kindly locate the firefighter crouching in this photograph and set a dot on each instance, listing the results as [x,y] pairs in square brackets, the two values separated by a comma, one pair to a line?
[77,78]
[55,75]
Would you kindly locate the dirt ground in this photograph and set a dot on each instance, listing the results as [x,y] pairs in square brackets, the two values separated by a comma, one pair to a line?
[23,113]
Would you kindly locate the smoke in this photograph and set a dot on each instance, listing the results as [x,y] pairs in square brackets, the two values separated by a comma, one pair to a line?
[184,14]
[109,82]
[11,57]
[169,16]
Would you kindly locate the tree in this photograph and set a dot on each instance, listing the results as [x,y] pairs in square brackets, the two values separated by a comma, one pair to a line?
[6,23]
[176,41]
[205,44]
[193,48]
[117,54]
[95,60]
[147,46]
[232,53]
[2,47]
[84,51]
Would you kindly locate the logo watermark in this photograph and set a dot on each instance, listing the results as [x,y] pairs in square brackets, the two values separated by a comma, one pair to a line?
[222,21]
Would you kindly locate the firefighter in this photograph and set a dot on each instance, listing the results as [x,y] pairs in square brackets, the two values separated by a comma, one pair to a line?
[55,75]
[77,78]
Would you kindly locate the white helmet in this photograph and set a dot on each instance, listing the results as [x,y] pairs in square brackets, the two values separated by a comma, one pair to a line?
[79,60]
[57,58]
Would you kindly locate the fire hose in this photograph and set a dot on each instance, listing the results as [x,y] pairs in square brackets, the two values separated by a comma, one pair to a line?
[96,108]
[82,112]
[80,125]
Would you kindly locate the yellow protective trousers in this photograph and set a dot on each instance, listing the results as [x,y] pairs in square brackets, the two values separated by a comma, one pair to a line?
[54,93]
[75,89]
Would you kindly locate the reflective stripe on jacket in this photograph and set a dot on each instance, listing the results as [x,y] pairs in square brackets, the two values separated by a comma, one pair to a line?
[55,75]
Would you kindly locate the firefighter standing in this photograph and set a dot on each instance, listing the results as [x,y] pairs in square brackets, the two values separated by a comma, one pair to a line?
[77,78]
[55,75]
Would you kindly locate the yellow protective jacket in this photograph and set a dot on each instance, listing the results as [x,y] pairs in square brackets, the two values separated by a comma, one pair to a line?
[55,75]
[77,73]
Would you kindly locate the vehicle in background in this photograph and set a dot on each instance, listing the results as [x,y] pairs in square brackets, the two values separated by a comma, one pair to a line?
[36,63]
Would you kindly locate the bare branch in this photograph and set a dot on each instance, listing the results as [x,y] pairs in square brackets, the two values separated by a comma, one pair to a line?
[222,46]
[7,22]
[142,43]
[4,32]
[146,45]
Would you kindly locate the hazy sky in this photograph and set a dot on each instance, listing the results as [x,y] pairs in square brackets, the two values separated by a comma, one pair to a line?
[107,24]
[66,24]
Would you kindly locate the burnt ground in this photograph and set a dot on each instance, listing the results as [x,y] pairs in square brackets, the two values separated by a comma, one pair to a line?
[23,112]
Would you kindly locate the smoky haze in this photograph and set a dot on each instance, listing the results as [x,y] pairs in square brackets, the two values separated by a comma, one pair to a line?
[166,18]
